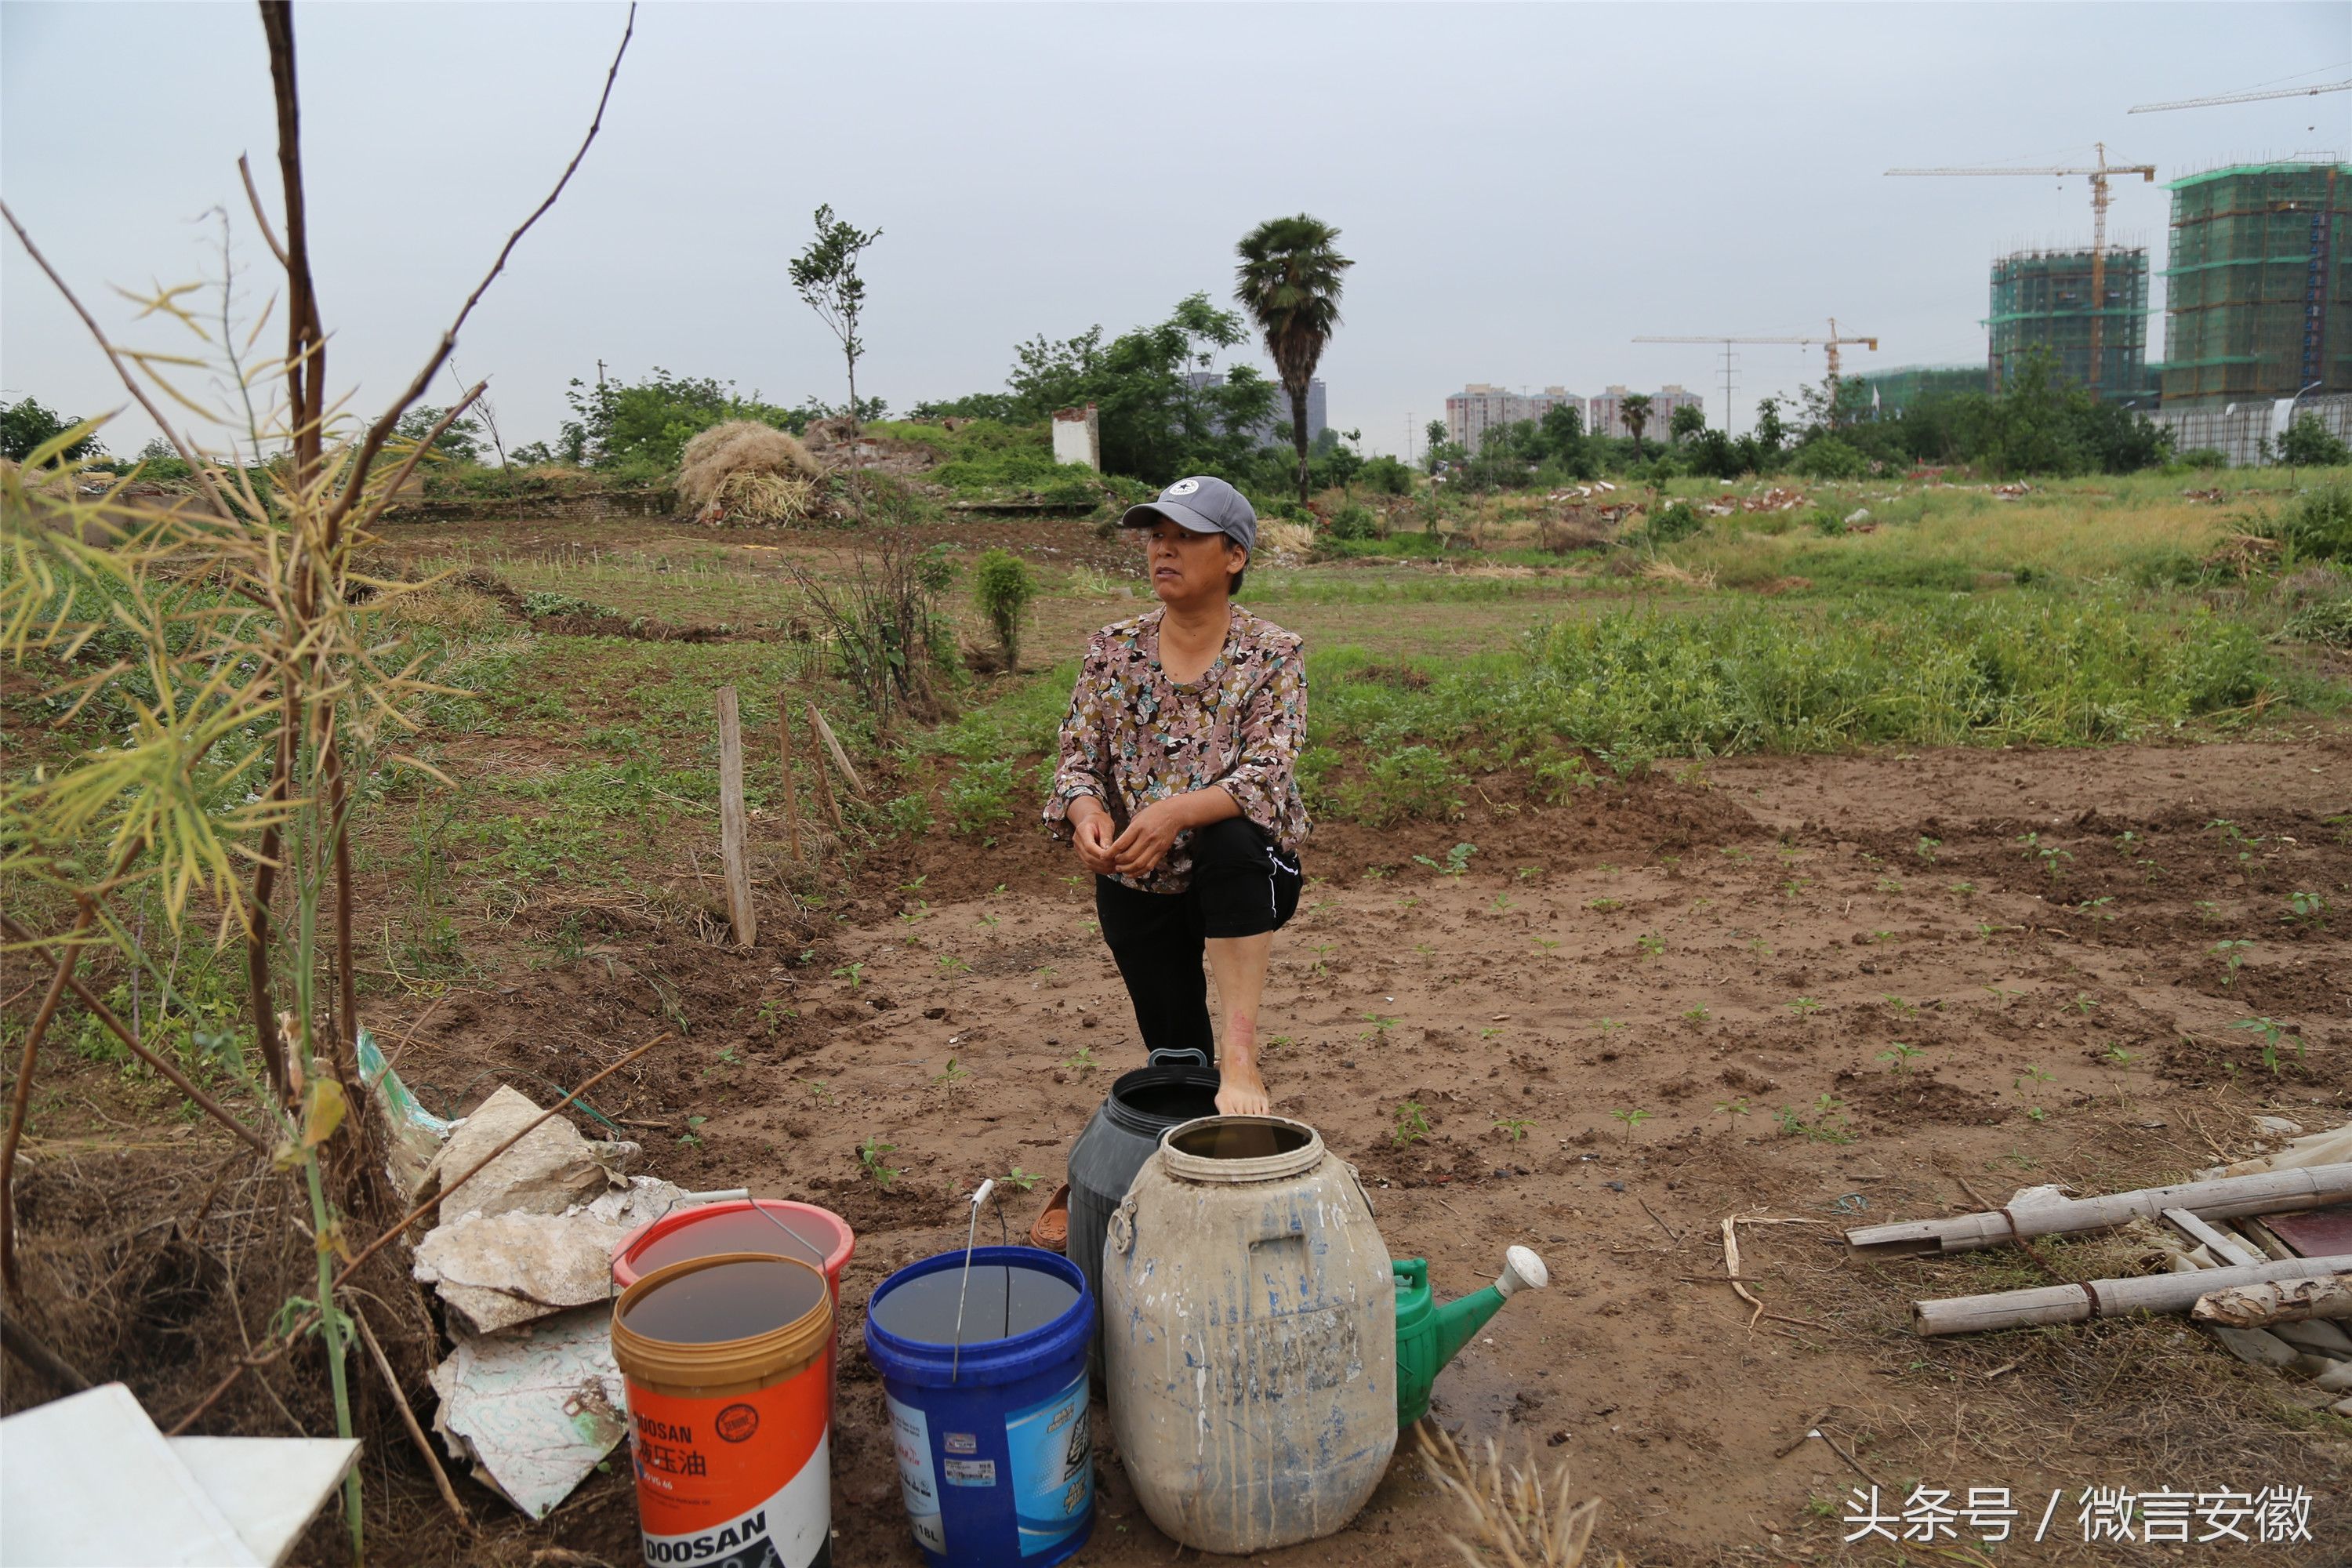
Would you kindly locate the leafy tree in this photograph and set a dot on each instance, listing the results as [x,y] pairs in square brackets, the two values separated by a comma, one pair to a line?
[641,427]
[2307,443]
[24,425]
[1771,431]
[1164,410]
[1684,422]
[461,442]
[1432,437]
[1718,457]
[1635,409]
[997,405]
[1289,282]
[1562,427]
[826,276]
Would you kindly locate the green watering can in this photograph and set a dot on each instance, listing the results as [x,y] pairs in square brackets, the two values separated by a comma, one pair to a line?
[1429,1335]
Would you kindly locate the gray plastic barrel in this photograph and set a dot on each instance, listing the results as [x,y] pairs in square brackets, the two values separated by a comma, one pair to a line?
[1124,1131]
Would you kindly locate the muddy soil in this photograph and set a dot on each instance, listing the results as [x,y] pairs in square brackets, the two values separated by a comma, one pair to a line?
[1815,992]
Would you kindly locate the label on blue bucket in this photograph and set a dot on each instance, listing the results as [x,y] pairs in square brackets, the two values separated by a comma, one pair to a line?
[910,1434]
[1053,1466]
[971,1472]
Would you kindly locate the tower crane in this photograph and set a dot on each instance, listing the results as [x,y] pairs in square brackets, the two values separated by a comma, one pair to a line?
[1829,345]
[2098,173]
[2243,97]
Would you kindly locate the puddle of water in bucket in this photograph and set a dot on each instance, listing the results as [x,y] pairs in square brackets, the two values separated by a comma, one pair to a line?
[725,1301]
[739,1230]
[924,1308]
[1239,1141]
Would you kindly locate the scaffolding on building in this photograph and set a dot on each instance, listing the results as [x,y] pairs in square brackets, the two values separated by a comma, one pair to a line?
[1893,393]
[2259,291]
[2043,300]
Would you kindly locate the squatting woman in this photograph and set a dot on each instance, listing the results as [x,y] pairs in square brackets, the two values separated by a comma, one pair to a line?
[1176,784]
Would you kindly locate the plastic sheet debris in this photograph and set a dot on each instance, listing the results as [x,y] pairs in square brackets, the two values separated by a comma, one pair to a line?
[413,1135]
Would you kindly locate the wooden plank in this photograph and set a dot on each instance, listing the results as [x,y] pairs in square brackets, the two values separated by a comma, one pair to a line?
[840,757]
[791,790]
[2226,1249]
[2102,1297]
[732,833]
[823,781]
[2228,1197]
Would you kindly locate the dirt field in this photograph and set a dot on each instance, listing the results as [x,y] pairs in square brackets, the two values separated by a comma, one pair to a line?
[1761,937]
[1810,992]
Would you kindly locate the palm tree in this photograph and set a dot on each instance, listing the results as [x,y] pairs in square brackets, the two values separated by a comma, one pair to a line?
[1289,283]
[1635,409]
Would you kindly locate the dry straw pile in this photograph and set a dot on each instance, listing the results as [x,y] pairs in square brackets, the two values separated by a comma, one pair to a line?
[743,472]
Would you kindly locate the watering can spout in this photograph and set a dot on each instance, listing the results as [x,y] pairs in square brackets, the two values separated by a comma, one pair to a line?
[1429,1335]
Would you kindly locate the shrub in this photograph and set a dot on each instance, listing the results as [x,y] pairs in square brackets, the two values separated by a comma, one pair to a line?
[1416,781]
[981,794]
[1387,476]
[1830,457]
[2318,525]
[2307,444]
[1675,520]
[1354,521]
[2203,457]
[1002,587]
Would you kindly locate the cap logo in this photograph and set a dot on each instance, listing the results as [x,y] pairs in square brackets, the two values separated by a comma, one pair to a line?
[1182,487]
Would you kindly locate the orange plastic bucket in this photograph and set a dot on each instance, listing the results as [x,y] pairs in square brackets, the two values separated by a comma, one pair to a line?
[738,1225]
[727,1369]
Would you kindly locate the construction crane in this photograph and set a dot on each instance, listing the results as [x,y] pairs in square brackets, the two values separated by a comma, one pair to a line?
[1830,346]
[2098,173]
[2243,97]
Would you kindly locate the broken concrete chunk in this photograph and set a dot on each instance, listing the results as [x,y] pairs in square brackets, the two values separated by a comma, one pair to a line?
[2255,1345]
[497,1270]
[2317,1334]
[549,1169]
[535,1411]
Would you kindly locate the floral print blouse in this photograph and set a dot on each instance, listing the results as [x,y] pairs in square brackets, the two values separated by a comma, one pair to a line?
[1133,736]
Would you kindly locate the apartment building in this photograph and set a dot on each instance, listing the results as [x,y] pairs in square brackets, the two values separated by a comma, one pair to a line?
[1605,415]
[1482,406]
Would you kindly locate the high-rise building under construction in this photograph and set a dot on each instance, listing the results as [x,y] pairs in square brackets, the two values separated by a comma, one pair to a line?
[2061,303]
[2258,300]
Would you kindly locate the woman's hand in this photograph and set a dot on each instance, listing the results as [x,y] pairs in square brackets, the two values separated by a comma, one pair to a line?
[1090,832]
[1149,835]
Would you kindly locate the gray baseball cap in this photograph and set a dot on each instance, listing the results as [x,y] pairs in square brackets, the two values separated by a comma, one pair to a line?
[1203,504]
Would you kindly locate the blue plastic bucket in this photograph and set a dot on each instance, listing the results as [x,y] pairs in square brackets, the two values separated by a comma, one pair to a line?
[995,1458]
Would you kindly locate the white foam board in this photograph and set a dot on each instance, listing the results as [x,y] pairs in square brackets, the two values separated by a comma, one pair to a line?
[87,1482]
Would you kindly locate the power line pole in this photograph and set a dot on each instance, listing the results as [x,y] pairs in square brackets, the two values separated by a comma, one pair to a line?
[600,373]
[1726,390]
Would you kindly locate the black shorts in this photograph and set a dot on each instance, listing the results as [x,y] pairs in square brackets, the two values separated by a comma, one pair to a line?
[1241,886]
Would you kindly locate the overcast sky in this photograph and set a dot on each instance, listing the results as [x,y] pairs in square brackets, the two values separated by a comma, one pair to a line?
[1523,188]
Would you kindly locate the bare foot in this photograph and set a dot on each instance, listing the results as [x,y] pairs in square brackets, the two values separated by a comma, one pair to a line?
[1241,1092]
